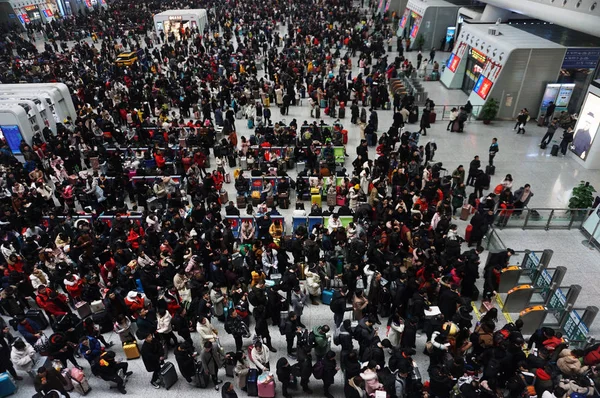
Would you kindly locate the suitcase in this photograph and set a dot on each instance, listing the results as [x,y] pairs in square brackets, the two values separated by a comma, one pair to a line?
[201,377]
[464,212]
[283,201]
[255,201]
[543,145]
[68,385]
[251,123]
[38,317]
[554,151]
[241,202]
[227,178]
[317,113]
[168,375]
[251,383]
[468,233]
[81,387]
[455,127]
[342,113]
[326,296]
[223,197]
[266,386]
[131,350]
[323,103]
[83,309]
[316,198]
[97,306]
[270,201]
[490,170]
[7,385]
[244,163]
[432,117]
[331,199]
[306,196]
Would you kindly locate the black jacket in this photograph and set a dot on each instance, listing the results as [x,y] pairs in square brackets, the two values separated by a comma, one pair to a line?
[151,353]
[186,363]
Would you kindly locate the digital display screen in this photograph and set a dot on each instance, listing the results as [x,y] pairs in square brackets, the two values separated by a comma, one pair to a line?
[415,27]
[586,127]
[483,86]
[13,137]
[453,62]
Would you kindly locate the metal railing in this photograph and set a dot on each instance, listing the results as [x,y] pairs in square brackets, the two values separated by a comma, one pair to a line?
[542,218]
[491,241]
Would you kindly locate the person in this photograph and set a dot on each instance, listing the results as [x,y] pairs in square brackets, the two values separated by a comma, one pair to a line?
[552,127]
[284,374]
[23,357]
[493,151]
[549,112]
[424,124]
[338,305]
[236,327]
[90,348]
[206,331]
[259,355]
[522,119]
[452,118]
[567,138]
[298,301]
[290,329]
[228,391]
[458,176]
[62,349]
[48,379]
[320,340]
[211,362]
[582,141]
[185,357]
[153,354]
[522,197]
[164,329]
[473,170]
[329,372]
[241,370]
[6,364]
[108,369]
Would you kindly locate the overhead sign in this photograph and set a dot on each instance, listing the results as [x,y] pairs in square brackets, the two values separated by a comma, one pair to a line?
[30,8]
[175,17]
[577,58]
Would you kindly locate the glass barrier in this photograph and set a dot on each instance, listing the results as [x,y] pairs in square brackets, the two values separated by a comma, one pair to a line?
[541,218]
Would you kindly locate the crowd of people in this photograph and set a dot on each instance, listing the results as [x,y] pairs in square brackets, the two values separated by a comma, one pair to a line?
[167,272]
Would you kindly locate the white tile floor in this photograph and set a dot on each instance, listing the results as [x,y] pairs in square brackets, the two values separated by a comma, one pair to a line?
[551,178]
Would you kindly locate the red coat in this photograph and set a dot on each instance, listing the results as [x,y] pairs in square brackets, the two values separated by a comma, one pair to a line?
[57,306]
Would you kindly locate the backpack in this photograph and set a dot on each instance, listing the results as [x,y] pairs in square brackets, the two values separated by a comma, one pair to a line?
[252,297]
[336,336]
[311,340]
[318,370]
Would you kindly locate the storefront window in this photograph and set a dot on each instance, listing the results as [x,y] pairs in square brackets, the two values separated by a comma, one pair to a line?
[475,63]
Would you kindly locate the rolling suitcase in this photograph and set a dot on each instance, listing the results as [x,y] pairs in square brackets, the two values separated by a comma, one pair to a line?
[83,309]
[455,127]
[490,170]
[326,296]
[464,212]
[97,306]
[554,151]
[266,386]
[168,375]
[283,200]
[270,201]
[38,317]
[241,202]
[432,117]
[223,196]
[315,199]
[227,178]
[7,385]
[131,350]
[201,376]
[468,233]
[68,385]
[251,383]
[342,113]
[323,103]
[81,387]
[331,199]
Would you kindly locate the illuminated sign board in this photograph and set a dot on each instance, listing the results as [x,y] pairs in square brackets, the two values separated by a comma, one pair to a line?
[477,56]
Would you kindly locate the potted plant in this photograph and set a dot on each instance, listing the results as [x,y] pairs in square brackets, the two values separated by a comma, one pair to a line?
[419,42]
[489,111]
[582,198]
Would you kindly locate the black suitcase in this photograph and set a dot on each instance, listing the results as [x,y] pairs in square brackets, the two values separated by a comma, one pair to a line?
[168,375]
[241,202]
[38,317]
[201,376]
[103,321]
[490,170]
[317,112]
[251,383]
[342,113]
[555,149]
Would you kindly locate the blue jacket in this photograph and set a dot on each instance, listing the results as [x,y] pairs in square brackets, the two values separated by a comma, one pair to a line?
[29,337]
[95,349]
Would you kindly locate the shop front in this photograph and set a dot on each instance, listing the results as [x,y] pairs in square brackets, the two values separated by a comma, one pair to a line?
[177,21]
[33,13]
[476,61]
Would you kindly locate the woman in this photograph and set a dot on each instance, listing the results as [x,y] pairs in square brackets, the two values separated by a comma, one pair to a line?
[23,357]
[359,303]
[276,231]
[424,122]
[395,330]
[206,331]
[313,282]
[369,375]
[507,182]
[247,231]
[259,355]
[228,391]
[164,328]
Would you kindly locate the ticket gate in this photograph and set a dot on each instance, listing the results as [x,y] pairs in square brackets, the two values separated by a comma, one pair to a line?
[539,291]
[552,312]
[525,272]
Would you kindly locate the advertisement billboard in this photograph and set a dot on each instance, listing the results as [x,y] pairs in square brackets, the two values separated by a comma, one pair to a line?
[483,86]
[13,137]
[415,27]
[453,62]
[586,127]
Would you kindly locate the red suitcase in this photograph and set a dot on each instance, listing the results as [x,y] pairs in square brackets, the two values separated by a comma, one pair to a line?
[345,136]
[468,233]
[432,116]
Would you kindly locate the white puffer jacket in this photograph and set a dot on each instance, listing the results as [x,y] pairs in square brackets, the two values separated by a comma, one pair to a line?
[23,359]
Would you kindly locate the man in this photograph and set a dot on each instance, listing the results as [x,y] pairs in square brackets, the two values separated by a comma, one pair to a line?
[107,368]
[431,55]
[90,348]
[552,127]
[458,176]
[290,329]
[582,141]
[211,362]
[237,328]
[501,258]
[152,355]
[298,301]
[473,169]
[493,150]
[549,112]
[338,305]
[50,379]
